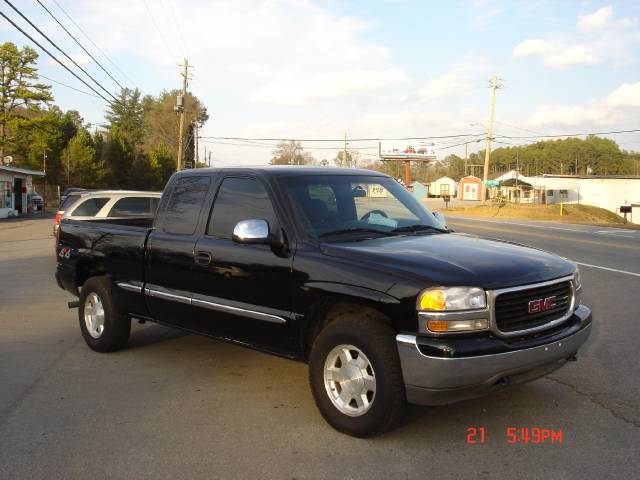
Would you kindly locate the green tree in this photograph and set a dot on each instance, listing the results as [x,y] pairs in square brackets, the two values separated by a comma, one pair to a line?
[126,114]
[20,93]
[85,168]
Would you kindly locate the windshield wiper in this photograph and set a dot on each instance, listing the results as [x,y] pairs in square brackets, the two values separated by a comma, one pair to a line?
[418,228]
[354,230]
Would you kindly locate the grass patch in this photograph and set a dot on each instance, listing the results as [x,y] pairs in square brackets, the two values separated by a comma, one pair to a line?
[572,213]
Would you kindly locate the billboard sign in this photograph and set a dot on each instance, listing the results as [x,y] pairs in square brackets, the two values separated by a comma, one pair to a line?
[412,149]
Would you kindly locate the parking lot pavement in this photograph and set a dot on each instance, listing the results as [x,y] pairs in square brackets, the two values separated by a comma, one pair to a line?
[175,405]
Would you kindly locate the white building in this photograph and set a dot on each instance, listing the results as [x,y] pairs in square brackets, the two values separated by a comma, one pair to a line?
[16,184]
[443,186]
[609,192]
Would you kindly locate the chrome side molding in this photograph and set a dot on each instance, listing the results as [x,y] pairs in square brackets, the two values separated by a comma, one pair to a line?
[129,287]
[237,311]
[209,304]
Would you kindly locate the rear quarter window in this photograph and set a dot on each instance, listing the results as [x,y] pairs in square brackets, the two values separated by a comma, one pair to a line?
[133,207]
[89,207]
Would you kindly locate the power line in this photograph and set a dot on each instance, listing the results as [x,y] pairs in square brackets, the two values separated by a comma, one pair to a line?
[570,134]
[456,145]
[177,24]
[153,20]
[79,44]
[373,139]
[94,44]
[68,86]
[264,145]
[52,56]
[58,48]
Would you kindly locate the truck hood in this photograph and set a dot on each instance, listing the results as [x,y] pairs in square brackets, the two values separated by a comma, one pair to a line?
[456,259]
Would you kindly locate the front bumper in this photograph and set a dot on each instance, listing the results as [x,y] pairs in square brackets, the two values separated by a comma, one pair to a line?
[438,380]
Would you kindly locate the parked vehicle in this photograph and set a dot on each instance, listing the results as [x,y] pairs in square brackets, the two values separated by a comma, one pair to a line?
[108,204]
[385,304]
[69,190]
[37,201]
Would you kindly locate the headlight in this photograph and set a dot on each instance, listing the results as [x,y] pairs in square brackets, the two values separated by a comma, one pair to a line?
[577,282]
[444,299]
[577,278]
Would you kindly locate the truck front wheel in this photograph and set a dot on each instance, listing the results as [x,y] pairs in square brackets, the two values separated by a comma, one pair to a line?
[355,376]
[104,329]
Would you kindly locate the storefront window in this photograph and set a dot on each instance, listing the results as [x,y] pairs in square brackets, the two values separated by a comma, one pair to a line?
[5,194]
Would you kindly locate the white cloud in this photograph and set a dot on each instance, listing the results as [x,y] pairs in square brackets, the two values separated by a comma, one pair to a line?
[604,111]
[626,95]
[80,58]
[601,41]
[559,55]
[568,55]
[458,80]
[532,46]
[570,115]
[596,20]
[305,90]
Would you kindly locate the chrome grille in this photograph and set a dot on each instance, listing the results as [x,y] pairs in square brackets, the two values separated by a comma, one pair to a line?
[512,312]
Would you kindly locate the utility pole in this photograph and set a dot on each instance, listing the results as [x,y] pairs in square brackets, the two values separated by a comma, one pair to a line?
[344,159]
[576,169]
[44,169]
[180,108]
[195,142]
[466,157]
[487,152]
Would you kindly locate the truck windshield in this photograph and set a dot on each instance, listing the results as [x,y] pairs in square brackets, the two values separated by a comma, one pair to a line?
[338,206]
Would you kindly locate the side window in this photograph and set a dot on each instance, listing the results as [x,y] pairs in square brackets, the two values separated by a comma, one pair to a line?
[183,208]
[239,199]
[132,207]
[89,207]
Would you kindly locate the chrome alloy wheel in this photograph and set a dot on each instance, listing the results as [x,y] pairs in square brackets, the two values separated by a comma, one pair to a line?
[349,380]
[94,315]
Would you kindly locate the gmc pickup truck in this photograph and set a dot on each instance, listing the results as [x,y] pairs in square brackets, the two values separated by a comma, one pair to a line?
[342,269]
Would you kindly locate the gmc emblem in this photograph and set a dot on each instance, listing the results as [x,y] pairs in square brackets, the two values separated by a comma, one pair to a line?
[541,304]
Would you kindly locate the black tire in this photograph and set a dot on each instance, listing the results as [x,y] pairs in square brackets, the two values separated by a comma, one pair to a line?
[376,340]
[116,328]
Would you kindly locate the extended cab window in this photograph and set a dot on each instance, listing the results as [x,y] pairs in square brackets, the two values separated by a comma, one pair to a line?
[90,207]
[183,208]
[239,199]
[134,207]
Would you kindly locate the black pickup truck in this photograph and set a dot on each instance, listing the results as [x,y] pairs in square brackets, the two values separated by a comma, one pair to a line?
[343,269]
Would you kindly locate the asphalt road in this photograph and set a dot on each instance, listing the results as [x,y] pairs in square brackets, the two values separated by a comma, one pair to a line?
[181,406]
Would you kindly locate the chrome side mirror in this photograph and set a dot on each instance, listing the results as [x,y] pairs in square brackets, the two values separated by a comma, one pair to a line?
[252,231]
[440,218]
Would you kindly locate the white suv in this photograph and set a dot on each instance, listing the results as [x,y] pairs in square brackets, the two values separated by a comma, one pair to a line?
[111,204]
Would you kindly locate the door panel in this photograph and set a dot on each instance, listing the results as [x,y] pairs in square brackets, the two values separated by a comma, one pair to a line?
[170,264]
[243,291]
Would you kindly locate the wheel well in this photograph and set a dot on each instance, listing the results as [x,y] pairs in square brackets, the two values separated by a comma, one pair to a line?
[326,311]
[86,270]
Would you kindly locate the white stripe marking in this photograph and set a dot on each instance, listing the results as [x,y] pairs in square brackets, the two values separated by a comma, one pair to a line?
[609,269]
[452,219]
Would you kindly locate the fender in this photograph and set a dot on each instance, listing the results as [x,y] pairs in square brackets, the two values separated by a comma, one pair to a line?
[351,291]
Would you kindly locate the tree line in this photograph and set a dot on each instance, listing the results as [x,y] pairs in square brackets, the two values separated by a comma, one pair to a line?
[135,148]
[570,156]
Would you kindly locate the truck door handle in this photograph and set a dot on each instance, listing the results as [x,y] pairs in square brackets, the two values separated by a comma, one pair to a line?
[203,258]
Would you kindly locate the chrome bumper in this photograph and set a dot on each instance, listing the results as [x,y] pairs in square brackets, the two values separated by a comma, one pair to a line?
[437,380]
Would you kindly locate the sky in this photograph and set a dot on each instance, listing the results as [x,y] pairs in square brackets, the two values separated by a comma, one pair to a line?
[368,69]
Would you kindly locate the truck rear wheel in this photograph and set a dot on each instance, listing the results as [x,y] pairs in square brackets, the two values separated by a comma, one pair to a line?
[104,329]
[355,376]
